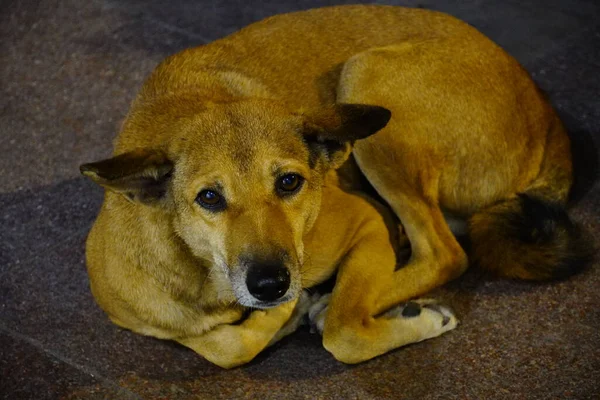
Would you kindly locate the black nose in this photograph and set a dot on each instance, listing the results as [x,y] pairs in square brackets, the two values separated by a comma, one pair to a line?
[267,282]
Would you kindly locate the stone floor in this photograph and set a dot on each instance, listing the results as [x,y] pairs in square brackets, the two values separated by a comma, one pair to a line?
[70,69]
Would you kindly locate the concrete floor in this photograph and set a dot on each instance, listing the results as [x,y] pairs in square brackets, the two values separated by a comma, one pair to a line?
[70,69]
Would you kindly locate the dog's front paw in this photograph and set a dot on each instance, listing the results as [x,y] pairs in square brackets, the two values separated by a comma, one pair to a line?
[300,310]
[318,311]
[305,302]
[297,318]
[431,318]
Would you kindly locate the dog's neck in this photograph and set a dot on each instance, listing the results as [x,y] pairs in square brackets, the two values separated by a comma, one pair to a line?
[208,84]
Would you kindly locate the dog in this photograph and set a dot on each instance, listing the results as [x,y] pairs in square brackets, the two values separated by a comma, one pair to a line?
[312,144]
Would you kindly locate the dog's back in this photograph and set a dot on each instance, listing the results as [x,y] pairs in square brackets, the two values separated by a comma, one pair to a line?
[298,57]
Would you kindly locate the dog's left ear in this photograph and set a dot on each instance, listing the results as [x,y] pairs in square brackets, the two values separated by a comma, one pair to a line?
[139,175]
[332,131]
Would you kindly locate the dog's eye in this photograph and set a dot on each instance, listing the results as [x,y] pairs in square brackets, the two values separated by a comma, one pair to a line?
[211,200]
[288,184]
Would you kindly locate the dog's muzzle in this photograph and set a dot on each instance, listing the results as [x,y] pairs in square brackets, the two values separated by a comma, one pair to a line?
[267,282]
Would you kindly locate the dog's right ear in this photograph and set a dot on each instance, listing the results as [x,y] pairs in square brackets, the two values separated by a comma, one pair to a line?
[330,132]
[140,175]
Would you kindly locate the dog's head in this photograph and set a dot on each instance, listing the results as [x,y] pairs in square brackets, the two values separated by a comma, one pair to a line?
[241,182]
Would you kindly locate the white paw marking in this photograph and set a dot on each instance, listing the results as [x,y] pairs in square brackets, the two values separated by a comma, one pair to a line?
[297,319]
[317,312]
[303,305]
[429,317]
[305,301]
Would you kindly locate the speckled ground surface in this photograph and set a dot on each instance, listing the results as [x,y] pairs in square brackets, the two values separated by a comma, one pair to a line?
[69,69]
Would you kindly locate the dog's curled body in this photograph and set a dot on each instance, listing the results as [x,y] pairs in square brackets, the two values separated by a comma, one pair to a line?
[231,185]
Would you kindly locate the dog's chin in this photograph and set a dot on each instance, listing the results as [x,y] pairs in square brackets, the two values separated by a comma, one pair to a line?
[249,301]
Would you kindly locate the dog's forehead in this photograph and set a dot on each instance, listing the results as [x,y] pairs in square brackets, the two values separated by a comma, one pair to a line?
[245,134]
[242,137]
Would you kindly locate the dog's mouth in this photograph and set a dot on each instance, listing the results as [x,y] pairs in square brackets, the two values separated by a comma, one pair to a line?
[269,304]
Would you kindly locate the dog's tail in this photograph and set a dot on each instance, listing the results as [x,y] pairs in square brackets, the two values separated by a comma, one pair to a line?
[527,237]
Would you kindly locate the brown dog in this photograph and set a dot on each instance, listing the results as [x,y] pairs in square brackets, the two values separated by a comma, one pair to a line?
[231,185]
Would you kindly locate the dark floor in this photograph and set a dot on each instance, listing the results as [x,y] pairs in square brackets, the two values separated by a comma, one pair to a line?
[69,70]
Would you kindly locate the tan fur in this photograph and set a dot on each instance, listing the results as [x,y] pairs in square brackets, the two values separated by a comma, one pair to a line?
[468,129]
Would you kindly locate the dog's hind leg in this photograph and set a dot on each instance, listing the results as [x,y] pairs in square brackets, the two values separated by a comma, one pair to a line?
[436,256]
[411,191]
[409,161]
[354,330]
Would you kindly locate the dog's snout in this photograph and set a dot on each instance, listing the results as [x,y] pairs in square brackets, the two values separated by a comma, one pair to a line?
[268,282]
